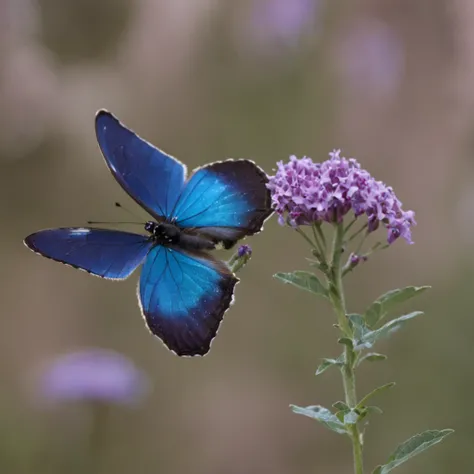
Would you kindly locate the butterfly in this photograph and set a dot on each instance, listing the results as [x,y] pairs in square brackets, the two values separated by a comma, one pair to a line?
[183,291]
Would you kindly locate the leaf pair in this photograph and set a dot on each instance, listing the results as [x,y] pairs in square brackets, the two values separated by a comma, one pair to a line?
[383,304]
[367,338]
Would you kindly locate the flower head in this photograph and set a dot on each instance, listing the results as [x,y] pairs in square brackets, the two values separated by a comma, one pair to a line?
[304,192]
[95,374]
[244,251]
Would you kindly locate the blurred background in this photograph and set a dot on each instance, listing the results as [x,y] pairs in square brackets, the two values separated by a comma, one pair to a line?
[391,83]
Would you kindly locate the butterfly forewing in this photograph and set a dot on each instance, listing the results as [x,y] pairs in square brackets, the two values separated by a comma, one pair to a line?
[102,252]
[227,199]
[150,176]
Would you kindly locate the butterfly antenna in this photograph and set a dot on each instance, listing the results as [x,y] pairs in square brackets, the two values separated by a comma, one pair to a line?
[113,223]
[117,204]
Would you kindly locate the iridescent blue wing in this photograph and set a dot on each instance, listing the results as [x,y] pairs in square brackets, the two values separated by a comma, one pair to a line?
[102,252]
[183,298]
[226,200]
[150,176]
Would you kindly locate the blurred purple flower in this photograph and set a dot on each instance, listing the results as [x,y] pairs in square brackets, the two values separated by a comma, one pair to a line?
[95,374]
[244,251]
[276,23]
[304,192]
[284,19]
[371,58]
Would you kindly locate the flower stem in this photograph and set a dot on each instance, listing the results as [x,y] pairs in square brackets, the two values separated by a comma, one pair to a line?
[348,374]
[97,436]
[312,244]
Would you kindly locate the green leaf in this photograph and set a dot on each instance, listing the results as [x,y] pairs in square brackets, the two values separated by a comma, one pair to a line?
[364,411]
[346,341]
[326,363]
[305,281]
[374,392]
[374,313]
[341,406]
[413,446]
[371,357]
[380,307]
[369,338]
[323,415]
[374,409]
[358,325]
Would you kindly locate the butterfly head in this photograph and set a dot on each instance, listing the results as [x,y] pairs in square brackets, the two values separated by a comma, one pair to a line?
[163,233]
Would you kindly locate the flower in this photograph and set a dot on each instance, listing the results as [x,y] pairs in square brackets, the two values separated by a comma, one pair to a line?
[244,251]
[280,18]
[308,192]
[371,59]
[95,374]
[273,27]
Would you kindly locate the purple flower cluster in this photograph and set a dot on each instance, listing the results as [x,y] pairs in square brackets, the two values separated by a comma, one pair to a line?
[304,192]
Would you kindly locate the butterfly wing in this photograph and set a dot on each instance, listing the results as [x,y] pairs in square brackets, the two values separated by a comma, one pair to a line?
[150,176]
[183,298]
[102,252]
[226,200]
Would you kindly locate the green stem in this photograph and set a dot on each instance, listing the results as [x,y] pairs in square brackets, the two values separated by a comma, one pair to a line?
[320,233]
[348,374]
[97,436]
[320,245]
[236,263]
[355,234]
[310,242]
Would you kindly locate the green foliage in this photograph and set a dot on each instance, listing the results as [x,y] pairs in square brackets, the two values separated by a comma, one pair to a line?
[341,406]
[305,281]
[383,304]
[358,325]
[326,363]
[371,357]
[375,392]
[323,415]
[413,446]
[346,341]
[369,338]
[369,410]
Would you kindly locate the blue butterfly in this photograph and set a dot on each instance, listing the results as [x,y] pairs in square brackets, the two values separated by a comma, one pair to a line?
[183,291]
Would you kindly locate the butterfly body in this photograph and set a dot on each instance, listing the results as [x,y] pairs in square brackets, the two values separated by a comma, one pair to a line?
[168,234]
[183,290]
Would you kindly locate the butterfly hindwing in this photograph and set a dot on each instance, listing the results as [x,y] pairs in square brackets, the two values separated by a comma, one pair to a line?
[150,176]
[226,200]
[102,252]
[183,297]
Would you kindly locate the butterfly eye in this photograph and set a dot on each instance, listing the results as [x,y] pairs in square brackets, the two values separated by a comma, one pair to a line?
[149,226]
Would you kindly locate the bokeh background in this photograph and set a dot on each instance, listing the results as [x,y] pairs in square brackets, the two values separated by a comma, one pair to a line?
[390,82]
